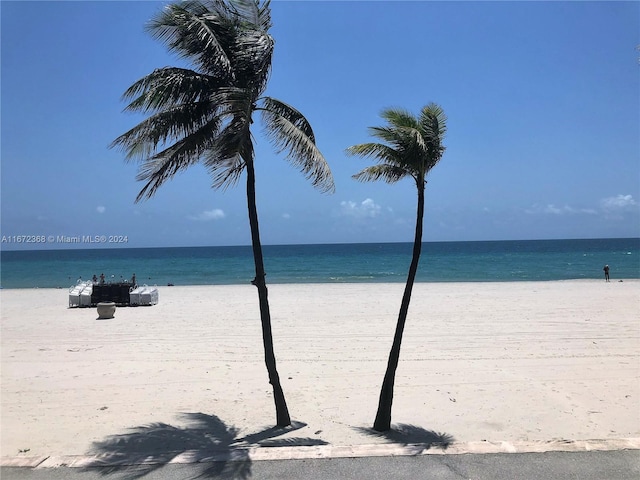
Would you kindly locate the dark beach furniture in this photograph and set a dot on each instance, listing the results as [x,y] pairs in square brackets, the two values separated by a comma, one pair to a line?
[117,293]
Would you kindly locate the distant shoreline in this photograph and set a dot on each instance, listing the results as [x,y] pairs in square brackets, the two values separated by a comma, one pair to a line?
[121,246]
[329,263]
[320,284]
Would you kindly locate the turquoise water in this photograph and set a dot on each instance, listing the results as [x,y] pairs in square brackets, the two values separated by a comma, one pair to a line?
[371,262]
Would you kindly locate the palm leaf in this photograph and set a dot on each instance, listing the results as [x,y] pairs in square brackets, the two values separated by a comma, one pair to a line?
[204,114]
[279,108]
[385,172]
[433,122]
[168,86]
[378,151]
[399,117]
[225,174]
[164,165]
[227,158]
[232,147]
[410,144]
[166,126]
[252,54]
[199,32]
[256,14]
[290,132]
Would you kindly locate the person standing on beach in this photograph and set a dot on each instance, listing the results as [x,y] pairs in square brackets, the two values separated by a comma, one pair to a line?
[606,273]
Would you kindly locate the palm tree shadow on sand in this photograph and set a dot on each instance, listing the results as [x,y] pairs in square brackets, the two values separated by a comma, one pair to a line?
[205,440]
[415,439]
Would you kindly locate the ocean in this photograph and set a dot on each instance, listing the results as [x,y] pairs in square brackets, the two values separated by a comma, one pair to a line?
[490,261]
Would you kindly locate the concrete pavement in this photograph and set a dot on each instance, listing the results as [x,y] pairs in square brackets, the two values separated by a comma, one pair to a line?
[580,460]
[595,465]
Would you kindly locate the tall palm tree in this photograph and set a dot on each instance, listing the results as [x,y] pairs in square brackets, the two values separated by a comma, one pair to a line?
[412,147]
[204,115]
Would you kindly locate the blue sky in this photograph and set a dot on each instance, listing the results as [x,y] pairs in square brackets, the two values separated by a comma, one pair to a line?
[543,133]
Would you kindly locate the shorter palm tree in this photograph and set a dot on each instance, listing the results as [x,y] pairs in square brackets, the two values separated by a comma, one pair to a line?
[412,147]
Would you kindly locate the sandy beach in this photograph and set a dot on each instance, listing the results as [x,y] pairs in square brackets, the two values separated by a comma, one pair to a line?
[516,362]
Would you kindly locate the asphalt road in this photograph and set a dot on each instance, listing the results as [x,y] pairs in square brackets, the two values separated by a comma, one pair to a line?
[595,465]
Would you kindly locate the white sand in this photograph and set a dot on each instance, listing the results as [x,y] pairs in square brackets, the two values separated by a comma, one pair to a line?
[480,361]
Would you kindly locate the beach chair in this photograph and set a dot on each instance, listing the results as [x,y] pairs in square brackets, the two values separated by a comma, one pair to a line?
[134,296]
[74,293]
[144,295]
[148,295]
[85,295]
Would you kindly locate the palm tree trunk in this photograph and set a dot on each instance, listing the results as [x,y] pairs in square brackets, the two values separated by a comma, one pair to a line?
[282,413]
[382,422]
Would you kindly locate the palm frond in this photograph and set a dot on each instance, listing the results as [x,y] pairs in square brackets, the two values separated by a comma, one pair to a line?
[255,13]
[164,165]
[433,122]
[399,118]
[198,31]
[386,134]
[411,144]
[169,86]
[169,125]
[290,132]
[403,138]
[172,124]
[279,108]
[225,174]
[251,47]
[378,151]
[233,146]
[252,53]
[385,172]
[204,114]
[227,157]
[224,37]
[404,131]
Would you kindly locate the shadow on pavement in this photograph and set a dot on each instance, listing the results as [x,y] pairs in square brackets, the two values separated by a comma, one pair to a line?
[416,439]
[205,439]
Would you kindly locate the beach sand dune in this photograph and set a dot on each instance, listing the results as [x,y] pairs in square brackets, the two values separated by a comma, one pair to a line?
[523,361]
